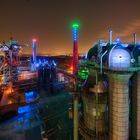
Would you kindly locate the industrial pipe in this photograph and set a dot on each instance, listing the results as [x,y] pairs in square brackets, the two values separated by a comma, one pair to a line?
[75,117]
[135,42]
[101,64]
[110,37]
[96,107]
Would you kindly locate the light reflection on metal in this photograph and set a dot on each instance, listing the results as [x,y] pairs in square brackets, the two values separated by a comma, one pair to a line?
[31,96]
[24,109]
[25,75]
[119,58]
[7,91]
[99,88]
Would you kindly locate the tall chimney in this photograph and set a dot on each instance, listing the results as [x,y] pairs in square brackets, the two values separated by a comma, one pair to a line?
[34,49]
[75,47]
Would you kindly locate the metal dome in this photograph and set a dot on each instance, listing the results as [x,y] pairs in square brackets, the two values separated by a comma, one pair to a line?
[119,58]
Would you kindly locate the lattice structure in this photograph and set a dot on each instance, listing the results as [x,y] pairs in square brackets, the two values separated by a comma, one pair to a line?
[1,64]
[10,61]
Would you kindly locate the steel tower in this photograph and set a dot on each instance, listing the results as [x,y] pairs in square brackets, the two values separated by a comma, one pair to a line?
[10,61]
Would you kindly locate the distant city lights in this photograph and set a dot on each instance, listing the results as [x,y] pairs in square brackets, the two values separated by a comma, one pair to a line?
[45,63]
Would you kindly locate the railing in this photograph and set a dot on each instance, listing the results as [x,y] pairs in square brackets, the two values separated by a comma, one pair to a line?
[115,67]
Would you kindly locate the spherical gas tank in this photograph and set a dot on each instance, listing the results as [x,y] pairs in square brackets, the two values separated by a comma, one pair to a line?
[119,58]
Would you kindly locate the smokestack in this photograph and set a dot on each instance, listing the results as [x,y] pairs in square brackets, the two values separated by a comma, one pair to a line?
[135,42]
[75,28]
[110,37]
[34,49]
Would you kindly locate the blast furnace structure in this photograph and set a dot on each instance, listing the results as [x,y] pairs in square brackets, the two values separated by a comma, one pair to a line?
[111,93]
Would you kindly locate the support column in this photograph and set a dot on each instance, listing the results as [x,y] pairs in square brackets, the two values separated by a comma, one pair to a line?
[119,106]
[75,125]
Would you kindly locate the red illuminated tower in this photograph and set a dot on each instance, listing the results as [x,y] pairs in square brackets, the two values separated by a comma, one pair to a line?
[75,48]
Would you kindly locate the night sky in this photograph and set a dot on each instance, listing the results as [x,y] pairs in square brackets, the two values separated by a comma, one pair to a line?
[50,22]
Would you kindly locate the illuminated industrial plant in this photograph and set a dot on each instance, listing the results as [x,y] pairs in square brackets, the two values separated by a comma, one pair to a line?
[104,86]
[15,73]
[16,89]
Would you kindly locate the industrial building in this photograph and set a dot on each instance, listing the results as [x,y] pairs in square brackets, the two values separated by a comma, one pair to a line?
[17,73]
[33,104]
[111,93]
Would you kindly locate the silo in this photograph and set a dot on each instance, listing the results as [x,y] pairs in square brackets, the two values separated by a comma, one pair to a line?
[94,109]
[119,64]
[119,106]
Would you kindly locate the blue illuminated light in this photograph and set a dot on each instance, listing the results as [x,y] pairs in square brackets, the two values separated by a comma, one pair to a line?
[30,96]
[44,63]
[32,67]
[53,63]
[19,70]
[118,40]
[37,65]
[75,31]
[39,61]
[24,109]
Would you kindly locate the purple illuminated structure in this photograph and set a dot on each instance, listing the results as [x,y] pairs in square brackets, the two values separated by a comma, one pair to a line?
[34,49]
